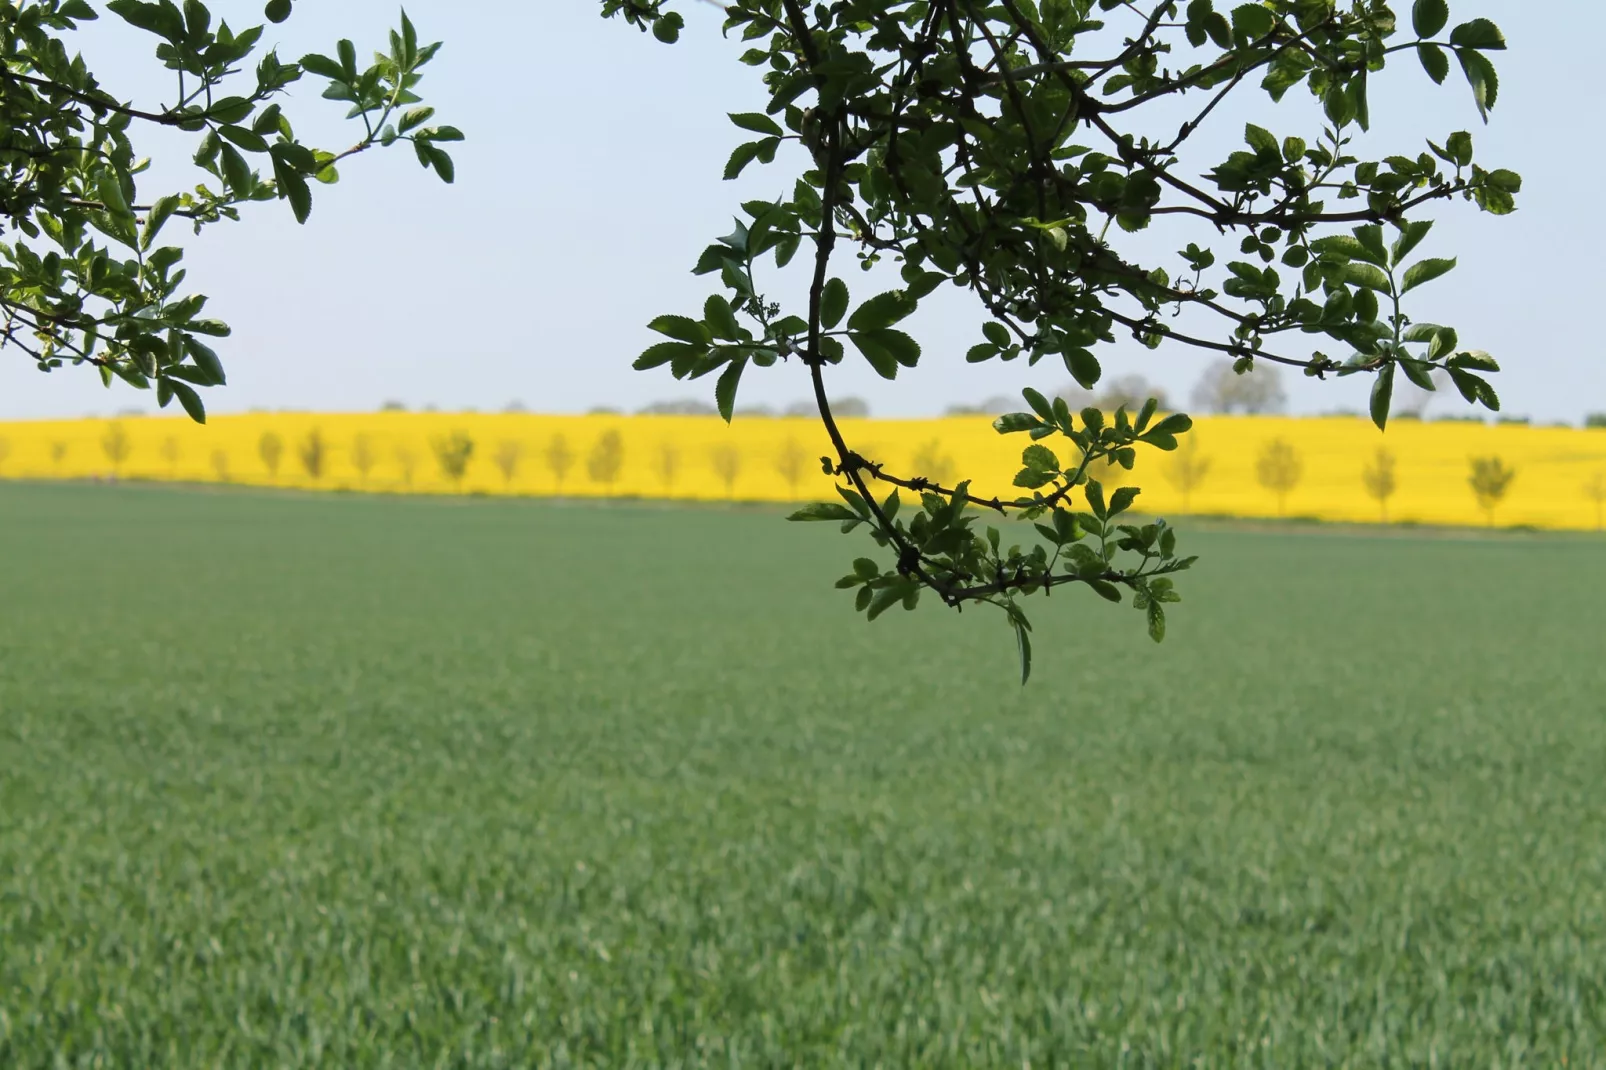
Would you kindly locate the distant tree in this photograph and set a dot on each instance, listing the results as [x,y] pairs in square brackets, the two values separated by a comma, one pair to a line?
[1130,391]
[679,407]
[1279,468]
[726,460]
[1595,491]
[791,461]
[930,462]
[607,458]
[1595,419]
[1188,469]
[849,406]
[668,464]
[220,465]
[515,407]
[1490,479]
[363,457]
[58,453]
[5,450]
[393,406]
[762,412]
[559,459]
[996,405]
[1222,390]
[270,447]
[116,445]
[171,451]
[508,455]
[452,453]
[314,453]
[407,461]
[1378,477]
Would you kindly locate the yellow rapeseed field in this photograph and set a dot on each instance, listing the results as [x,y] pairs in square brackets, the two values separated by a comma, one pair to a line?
[1560,473]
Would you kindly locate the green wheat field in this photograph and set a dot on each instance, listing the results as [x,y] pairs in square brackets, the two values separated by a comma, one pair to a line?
[381,782]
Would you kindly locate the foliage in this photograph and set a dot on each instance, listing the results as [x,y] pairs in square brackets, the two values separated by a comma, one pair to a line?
[314,453]
[942,137]
[607,457]
[1595,419]
[270,447]
[1223,389]
[1490,479]
[70,165]
[220,465]
[791,461]
[430,819]
[407,461]
[509,452]
[1379,479]
[58,452]
[933,462]
[1278,468]
[452,454]
[5,450]
[1188,469]
[171,451]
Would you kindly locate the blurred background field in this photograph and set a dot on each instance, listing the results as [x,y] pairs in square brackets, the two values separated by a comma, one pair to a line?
[360,781]
[1559,481]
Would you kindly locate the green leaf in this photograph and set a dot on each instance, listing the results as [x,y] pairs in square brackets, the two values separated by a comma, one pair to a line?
[1481,77]
[1425,271]
[322,66]
[1156,614]
[979,352]
[1411,234]
[188,398]
[881,358]
[740,157]
[1083,366]
[277,10]
[1434,61]
[162,210]
[824,511]
[1252,22]
[664,352]
[1478,33]
[1429,16]
[725,388]
[1261,140]
[885,599]
[833,303]
[882,310]
[1366,275]
[667,27]
[293,184]
[758,123]
[681,328]
[1459,146]
[1122,499]
[1011,422]
[1040,459]
[236,172]
[1371,238]
[996,333]
[1382,395]
[207,361]
[719,319]
[1023,647]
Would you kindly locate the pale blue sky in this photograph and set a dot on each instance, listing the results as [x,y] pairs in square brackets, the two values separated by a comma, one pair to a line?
[590,182]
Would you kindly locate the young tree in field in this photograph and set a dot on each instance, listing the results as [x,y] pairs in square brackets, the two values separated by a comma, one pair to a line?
[1188,470]
[220,465]
[270,447]
[508,455]
[791,461]
[171,451]
[5,451]
[115,444]
[1595,491]
[407,462]
[606,459]
[932,463]
[1279,468]
[559,459]
[668,464]
[1489,480]
[314,454]
[1378,477]
[363,457]
[58,453]
[452,453]
[82,212]
[726,461]
[968,145]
